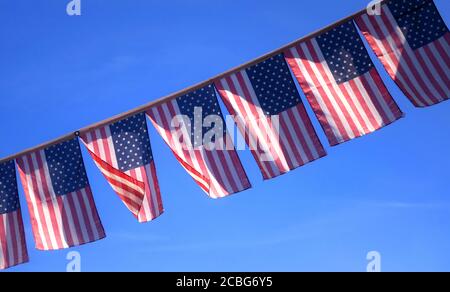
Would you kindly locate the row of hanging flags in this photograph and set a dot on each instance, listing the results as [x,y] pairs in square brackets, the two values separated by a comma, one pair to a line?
[334,71]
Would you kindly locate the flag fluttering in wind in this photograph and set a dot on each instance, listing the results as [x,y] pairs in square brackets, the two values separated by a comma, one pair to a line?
[123,153]
[194,128]
[412,41]
[13,248]
[270,115]
[342,85]
[62,209]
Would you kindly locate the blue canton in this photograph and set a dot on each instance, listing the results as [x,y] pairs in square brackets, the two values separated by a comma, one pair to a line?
[131,142]
[206,99]
[419,21]
[344,52]
[66,167]
[273,85]
[9,197]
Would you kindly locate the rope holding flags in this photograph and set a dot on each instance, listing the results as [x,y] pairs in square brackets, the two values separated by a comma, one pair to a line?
[334,71]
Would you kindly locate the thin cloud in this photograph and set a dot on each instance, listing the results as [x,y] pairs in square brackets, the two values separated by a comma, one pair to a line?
[140,237]
[413,205]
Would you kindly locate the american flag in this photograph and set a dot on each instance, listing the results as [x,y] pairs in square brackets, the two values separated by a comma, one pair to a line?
[13,248]
[62,209]
[213,164]
[342,85]
[412,41]
[123,153]
[257,94]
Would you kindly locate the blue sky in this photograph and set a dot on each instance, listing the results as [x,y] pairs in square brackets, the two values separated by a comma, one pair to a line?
[388,191]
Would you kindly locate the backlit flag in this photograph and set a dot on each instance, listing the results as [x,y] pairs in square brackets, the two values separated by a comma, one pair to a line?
[13,248]
[62,209]
[257,95]
[412,41]
[194,128]
[342,85]
[123,153]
